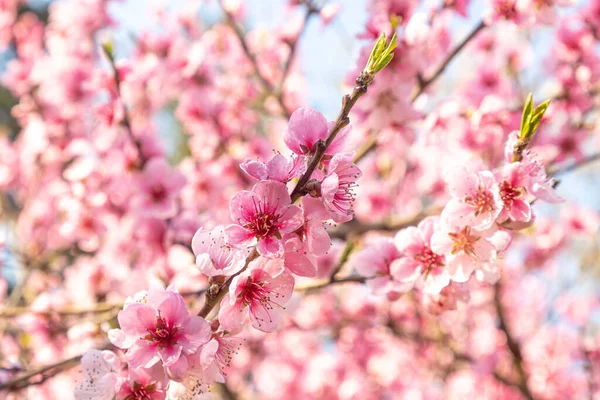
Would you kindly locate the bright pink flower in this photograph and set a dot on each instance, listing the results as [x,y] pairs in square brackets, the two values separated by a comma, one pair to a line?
[161,329]
[476,199]
[513,181]
[418,261]
[279,168]
[337,187]
[306,127]
[159,186]
[214,255]
[262,291]
[265,214]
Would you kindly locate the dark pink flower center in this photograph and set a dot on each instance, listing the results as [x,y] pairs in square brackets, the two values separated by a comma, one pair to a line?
[429,260]
[483,201]
[464,241]
[158,193]
[257,294]
[510,193]
[264,222]
[163,334]
[386,100]
[139,392]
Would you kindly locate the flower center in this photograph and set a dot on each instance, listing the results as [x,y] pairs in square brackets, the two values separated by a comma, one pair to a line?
[255,294]
[264,222]
[483,201]
[162,333]
[464,241]
[140,392]
[509,193]
[429,260]
[386,100]
[158,193]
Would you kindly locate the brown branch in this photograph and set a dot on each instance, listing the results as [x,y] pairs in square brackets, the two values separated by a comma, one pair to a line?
[512,344]
[311,9]
[102,307]
[46,372]
[215,293]
[423,84]
[268,87]
[125,122]
[348,101]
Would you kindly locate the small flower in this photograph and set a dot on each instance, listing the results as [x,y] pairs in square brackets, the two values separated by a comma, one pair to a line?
[161,329]
[465,249]
[374,263]
[513,180]
[158,186]
[261,292]
[337,187]
[306,127]
[279,168]
[476,199]
[418,261]
[142,384]
[539,184]
[265,214]
[214,255]
[100,369]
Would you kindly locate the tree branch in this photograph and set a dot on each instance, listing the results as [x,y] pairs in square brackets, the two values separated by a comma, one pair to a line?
[512,344]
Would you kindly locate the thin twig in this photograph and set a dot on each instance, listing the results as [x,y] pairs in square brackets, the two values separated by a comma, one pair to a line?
[512,344]
[98,308]
[46,372]
[125,122]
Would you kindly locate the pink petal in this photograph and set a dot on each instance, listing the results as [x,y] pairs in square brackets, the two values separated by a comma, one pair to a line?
[305,128]
[405,270]
[460,182]
[231,316]
[273,195]
[170,354]
[238,235]
[142,354]
[300,265]
[291,219]
[270,246]
[255,169]
[135,318]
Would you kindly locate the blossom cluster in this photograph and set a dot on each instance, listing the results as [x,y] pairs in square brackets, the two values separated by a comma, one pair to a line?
[178,216]
[471,234]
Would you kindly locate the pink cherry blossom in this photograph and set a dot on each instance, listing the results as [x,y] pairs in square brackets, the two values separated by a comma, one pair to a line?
[466,250]
[161,329]
[306,127]
[263,215]
[374,263]
[159,186]
[214,255]
[418,261]
[513,182]
[475,199]
[279,168]
[262,291]
[337,187]
[100,370]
